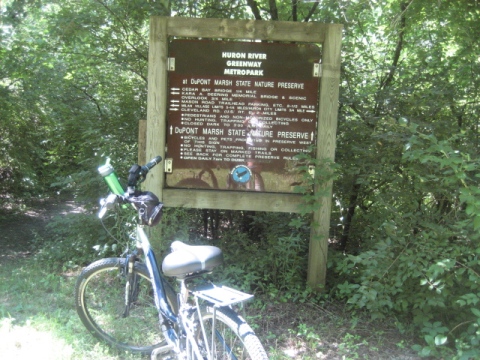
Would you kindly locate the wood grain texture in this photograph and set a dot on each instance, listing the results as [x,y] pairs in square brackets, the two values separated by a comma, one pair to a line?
[142,142]
[247,29]
[231,200]
[326,140]
[157,101]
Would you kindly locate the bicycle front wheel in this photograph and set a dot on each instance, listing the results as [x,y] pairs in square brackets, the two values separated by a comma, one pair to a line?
[100,303]
[233,337]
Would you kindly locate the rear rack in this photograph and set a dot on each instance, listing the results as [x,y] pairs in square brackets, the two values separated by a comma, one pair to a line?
[221,295]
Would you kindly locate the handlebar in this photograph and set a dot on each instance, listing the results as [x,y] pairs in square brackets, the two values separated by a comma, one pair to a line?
[107,203]
[137,174]
[148,166]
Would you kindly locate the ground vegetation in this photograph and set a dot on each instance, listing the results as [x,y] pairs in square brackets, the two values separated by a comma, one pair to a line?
[406,202]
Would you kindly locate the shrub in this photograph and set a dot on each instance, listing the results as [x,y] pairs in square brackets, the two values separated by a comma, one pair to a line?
[423,264]
[78,239]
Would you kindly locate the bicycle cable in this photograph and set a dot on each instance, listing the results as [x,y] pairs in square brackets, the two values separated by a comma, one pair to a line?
[108,231]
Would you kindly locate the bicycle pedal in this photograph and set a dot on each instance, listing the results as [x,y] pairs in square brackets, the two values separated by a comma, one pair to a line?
[159,351]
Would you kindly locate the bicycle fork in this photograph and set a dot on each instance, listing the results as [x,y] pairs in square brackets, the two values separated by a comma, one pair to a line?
[131,285]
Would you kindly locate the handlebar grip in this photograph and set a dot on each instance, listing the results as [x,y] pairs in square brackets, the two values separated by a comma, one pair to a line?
[148,166]
[107,204]
[153,162]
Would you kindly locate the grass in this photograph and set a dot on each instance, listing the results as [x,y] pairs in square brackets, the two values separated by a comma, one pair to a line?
[327,331]
[38,320]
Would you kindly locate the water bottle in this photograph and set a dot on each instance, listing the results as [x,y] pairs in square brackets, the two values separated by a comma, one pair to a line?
[108,174]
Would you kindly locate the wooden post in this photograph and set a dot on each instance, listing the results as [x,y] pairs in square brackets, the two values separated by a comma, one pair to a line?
[327,127]
[142,142]
[157,101]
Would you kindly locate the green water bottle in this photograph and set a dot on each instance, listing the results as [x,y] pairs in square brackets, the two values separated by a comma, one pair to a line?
[108,173]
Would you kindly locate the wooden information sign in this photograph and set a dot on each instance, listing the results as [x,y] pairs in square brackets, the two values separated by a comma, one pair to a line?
[230,102]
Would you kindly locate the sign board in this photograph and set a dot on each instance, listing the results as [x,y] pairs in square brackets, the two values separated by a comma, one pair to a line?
[273,59]
[238,113]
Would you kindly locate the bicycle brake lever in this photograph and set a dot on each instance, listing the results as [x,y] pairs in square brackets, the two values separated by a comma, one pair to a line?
[106,204]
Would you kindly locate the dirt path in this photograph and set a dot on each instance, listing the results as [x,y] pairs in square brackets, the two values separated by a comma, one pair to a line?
[21,225]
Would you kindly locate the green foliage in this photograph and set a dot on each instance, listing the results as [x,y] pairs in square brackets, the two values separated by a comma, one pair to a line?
[317,178]
[79,239]
[74,98]
[427,264]
[275,266]
[176,224]
[406,209]
[259,257]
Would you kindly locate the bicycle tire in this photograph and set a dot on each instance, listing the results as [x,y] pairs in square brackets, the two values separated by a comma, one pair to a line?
[234,338]
[100,303]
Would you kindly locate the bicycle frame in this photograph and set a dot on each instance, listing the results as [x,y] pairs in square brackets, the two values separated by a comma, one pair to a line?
[196,324]
[163,306]
[212,294]
[160,297]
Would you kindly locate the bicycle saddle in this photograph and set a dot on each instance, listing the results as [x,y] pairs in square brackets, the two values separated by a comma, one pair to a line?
[187,259]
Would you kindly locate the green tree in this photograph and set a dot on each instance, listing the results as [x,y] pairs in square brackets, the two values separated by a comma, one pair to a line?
[407,204]
[75,87]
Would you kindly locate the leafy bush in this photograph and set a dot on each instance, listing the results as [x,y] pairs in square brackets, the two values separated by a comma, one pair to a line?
[262,252]
[423,264]
[276,266]
[77,239]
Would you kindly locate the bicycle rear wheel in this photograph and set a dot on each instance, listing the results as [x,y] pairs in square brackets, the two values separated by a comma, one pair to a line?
[100,303]
[234,338]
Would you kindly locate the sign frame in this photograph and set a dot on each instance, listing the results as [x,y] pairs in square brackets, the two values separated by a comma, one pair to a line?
[329,36]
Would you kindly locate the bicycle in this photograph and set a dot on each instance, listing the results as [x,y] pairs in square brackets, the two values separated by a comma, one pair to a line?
[128,303]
